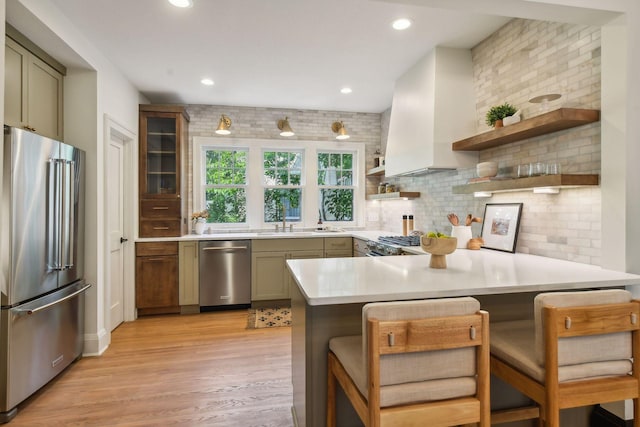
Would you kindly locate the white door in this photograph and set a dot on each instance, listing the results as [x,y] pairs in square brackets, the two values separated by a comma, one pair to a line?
[115,221]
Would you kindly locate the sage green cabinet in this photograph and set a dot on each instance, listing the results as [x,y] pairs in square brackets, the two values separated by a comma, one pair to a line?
[338,247]
[32,92]
[270,279]
[188,274]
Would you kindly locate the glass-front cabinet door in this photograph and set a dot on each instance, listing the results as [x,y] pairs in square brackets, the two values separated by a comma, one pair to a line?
[160,155]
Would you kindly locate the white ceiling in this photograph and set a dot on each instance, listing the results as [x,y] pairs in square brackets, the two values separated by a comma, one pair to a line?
[270,53]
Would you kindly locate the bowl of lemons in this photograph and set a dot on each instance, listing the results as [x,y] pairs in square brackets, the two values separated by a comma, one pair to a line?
[439,246]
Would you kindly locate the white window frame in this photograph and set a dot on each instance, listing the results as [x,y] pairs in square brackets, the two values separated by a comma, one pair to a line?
[301,186]
[309,210]
[353,185]
[204,186]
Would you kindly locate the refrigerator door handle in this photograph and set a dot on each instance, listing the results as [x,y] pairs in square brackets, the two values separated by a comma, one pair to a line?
[70,202]
[29,311]
[54,221]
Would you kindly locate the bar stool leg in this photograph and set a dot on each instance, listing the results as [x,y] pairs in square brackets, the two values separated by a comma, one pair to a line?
[331,393]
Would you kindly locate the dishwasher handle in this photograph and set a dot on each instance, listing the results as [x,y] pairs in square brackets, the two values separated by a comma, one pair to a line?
[222,248]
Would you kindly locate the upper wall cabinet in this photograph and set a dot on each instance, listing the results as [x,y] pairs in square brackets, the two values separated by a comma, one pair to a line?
[32,92]
[433,104]
[163,141]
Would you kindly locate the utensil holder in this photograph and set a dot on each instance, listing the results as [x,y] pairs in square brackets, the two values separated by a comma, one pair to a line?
[462,233]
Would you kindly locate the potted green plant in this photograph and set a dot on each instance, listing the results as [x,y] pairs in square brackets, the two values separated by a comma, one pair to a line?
[499,112]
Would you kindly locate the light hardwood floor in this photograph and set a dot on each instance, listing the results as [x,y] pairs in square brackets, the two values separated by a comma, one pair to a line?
[190,370]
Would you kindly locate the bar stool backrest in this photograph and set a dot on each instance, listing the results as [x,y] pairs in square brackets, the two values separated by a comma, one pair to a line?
[422,366]
[582,349]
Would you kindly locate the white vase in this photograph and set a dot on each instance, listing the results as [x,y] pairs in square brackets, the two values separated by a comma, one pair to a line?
[200,225]
[462,233]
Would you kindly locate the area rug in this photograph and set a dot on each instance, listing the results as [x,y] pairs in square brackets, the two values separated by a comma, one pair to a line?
[269,317]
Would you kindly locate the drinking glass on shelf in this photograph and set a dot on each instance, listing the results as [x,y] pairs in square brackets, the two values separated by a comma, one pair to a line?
[538,169]
[524,170]
[553,169]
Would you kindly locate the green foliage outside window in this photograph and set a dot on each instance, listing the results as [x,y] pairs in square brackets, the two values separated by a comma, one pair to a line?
[225,180]
[275,199]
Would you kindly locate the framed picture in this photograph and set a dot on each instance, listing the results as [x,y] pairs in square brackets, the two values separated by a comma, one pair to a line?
[500,226]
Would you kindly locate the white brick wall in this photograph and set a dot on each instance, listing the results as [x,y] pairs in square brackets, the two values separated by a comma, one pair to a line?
[522,60]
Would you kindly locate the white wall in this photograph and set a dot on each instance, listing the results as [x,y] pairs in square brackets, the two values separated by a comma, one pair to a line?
[93,88]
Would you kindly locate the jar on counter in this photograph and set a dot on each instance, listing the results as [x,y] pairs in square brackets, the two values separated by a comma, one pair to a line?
[382,187]
[391,188]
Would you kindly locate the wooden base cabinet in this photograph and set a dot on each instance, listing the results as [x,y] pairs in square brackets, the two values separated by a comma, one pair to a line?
[157,278]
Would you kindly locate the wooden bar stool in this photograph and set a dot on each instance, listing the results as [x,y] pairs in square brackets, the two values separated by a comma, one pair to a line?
[417,363]
[582,348]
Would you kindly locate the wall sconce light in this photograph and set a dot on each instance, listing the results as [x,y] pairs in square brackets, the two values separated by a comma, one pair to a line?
[224,125]
[338,127]
[285,128]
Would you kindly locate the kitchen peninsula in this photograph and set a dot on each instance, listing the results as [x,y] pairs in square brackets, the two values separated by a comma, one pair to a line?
[330,293]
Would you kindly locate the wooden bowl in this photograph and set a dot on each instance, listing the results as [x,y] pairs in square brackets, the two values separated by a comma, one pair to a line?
[438,247]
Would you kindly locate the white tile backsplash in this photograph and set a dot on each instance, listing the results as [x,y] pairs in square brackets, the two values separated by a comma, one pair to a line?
[521,60]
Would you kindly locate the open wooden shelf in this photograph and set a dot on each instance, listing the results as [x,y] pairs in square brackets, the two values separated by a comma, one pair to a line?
[553,121]
[377,171]
[394,196]
[558,181]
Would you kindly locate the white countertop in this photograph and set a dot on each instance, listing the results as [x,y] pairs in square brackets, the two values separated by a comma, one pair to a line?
[470,272]
[362,234]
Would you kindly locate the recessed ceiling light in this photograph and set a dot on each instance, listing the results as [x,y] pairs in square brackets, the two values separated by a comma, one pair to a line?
[346,90]
[207,82]
[401,24]
[181,3]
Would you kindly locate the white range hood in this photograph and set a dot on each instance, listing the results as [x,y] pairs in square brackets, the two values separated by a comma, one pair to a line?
[433,106]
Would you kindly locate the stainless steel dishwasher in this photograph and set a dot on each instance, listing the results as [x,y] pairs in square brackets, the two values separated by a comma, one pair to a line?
[225,273]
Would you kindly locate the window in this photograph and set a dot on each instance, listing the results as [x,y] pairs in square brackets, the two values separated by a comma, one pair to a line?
[335,186]
[251,184]
[282,177]
[225,185]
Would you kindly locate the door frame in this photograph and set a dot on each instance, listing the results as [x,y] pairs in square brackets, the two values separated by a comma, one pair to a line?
[114,130]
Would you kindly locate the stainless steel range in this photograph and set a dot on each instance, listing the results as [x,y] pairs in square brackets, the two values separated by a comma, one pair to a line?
[391,245]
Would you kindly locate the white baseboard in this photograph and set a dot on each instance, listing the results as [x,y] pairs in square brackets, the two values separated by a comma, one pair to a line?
[96,344]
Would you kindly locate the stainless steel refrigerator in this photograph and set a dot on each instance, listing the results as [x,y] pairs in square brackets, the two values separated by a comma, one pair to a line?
[41,263]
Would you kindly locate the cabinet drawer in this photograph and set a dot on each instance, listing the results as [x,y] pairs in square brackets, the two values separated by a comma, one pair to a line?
[156,248]
[160,208]
[160,228]
[332,243]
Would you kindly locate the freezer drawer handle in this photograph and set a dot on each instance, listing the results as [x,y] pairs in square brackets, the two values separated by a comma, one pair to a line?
[222,248]
[51,304]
